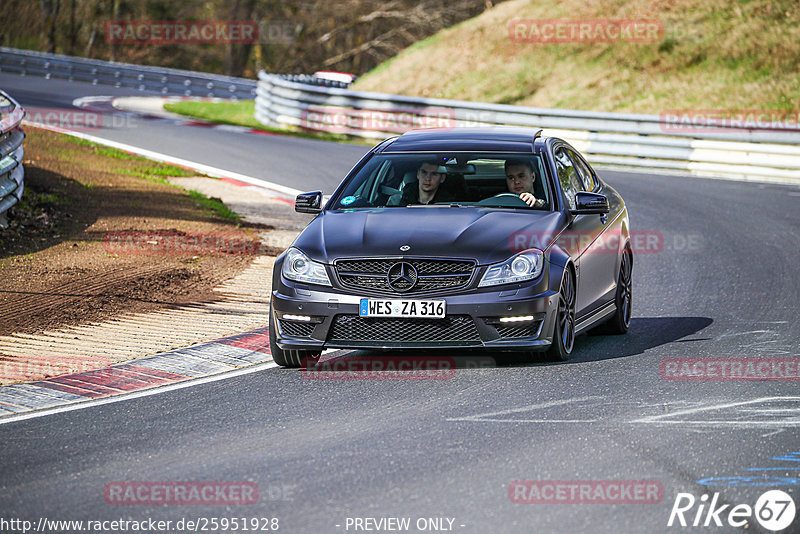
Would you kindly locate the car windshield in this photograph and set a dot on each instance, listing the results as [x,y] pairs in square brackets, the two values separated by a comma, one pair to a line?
[465,179]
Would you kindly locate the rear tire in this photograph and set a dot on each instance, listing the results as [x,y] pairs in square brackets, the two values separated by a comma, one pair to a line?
[289,358]
[564,330]
[621,320]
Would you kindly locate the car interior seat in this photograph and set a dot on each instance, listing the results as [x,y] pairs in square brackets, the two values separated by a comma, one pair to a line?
[456,185]
[395,198]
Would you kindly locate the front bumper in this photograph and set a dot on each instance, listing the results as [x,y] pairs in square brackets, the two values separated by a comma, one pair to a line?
[335,322]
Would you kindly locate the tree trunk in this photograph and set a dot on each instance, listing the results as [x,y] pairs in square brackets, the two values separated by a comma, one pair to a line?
[50,13]
[237,54]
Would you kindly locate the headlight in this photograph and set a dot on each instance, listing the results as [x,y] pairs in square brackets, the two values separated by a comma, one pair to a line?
[524,266]
[297,266]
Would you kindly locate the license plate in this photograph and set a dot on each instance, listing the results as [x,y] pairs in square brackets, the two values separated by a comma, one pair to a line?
[429,309]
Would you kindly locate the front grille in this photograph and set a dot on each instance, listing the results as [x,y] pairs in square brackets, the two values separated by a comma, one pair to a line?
[296,329]
[529,330]
[452,329]
[430,275]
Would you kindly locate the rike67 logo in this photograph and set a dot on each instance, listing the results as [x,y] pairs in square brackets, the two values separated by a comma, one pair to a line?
[774,510]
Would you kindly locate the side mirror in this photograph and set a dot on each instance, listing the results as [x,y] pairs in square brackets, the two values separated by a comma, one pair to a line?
[590,204]
[308,202]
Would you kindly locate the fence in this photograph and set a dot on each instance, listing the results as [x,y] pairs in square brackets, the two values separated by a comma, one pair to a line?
[173,82]
[11,152]
[637,140]
[143,78]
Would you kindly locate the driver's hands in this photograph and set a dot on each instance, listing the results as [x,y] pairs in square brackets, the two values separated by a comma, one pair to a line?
[531,200]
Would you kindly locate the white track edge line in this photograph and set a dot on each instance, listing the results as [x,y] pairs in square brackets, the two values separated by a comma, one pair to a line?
[284,191]
[90,403]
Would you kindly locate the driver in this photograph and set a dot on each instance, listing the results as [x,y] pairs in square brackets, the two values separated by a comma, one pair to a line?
[520,178]
[427,189]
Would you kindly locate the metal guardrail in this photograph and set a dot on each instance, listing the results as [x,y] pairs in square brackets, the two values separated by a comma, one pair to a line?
[173,82]
[11,152]
[637,140]
[143,78]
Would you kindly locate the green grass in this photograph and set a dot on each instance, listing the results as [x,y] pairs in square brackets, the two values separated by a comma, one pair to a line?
[52,198]
[33,199]
[713,54]
[158,172]
[105,150]
[154,174]
[117,154]
[241,113]
[215,205]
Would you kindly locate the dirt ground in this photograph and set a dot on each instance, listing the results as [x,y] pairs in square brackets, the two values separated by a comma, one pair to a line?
[59,262]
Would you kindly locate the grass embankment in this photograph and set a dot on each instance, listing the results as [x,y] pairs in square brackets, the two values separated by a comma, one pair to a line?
[58,262]
[714,54]
[158,172]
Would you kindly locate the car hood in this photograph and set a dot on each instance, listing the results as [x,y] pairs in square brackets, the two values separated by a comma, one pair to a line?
[484,234]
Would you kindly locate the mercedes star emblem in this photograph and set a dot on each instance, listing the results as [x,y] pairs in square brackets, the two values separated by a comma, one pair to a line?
[402,276]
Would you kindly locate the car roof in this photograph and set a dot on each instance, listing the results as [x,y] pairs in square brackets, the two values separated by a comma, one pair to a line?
[490,139]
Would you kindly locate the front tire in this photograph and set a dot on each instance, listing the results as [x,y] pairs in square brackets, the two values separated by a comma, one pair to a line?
[289,358]
[621,320]
[564,330]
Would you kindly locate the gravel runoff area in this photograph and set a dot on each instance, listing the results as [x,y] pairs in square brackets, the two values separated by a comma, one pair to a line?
[74,299]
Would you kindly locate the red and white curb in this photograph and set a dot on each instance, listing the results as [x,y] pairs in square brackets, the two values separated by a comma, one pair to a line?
[217,358]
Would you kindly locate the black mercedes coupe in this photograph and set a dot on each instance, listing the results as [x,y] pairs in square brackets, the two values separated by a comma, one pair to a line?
[492,238]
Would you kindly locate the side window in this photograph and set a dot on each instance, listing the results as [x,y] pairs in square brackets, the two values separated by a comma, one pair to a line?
[583,171]
[567,176]
[370,189]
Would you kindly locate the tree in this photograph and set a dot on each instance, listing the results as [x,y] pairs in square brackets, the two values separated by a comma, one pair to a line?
[49,15]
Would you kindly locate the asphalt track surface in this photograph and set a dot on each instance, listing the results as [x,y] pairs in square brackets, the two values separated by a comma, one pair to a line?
[723,284]
[305,164]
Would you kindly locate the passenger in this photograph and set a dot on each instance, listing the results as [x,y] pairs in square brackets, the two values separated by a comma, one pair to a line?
[520,178]
[426,189]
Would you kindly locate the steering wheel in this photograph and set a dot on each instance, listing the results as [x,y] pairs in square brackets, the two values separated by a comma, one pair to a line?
[519,201]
